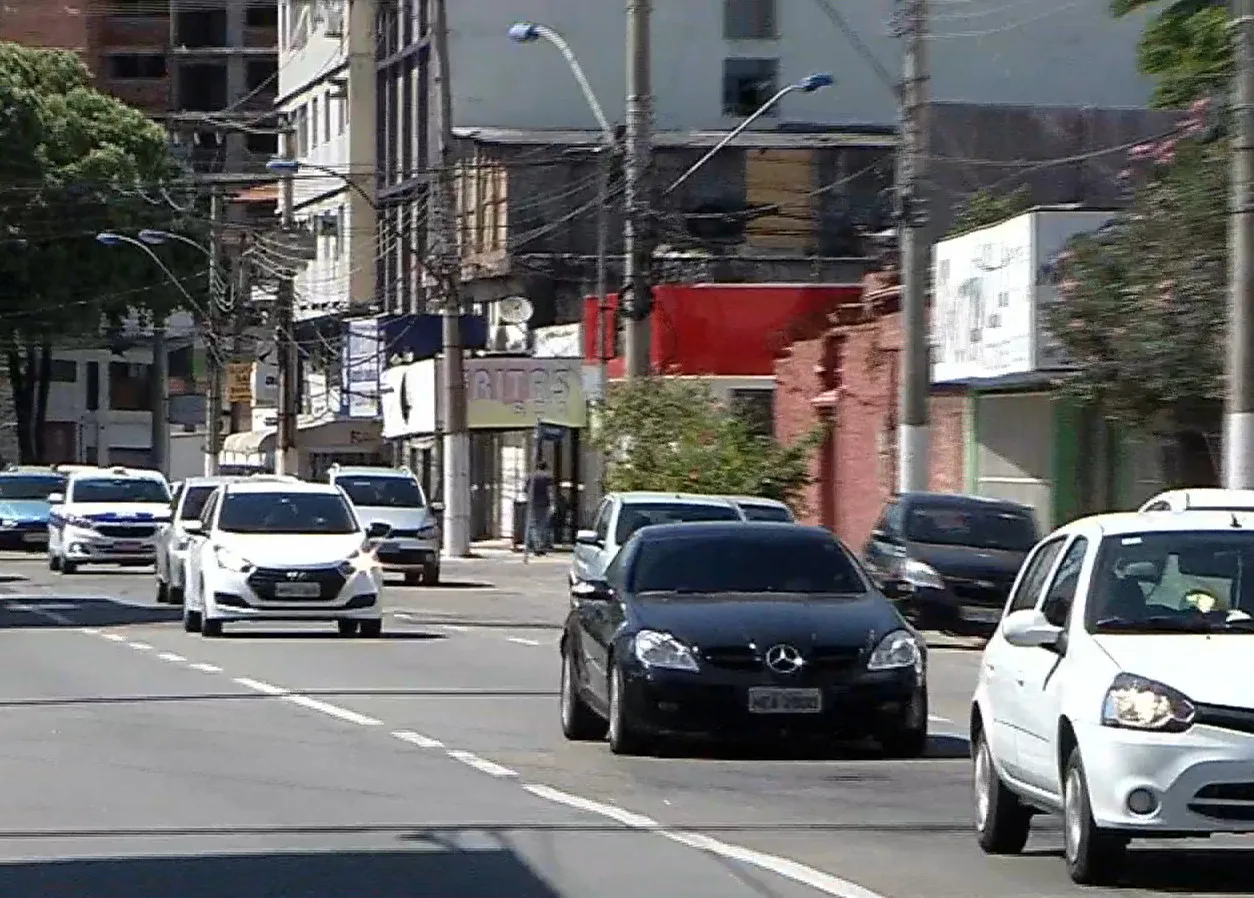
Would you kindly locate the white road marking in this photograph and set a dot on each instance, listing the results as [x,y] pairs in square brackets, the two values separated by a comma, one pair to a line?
[140,646]
[258,686]
[333,710]
[90,631]
[781,866]
[205,668]
[115,637]
[453,627]
[170,656]
[932,718]
[37,607]
[46,613]
[417,739]
[483,765]
[521,641]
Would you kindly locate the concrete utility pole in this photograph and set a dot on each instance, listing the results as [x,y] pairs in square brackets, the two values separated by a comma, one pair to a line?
[213,362]
[362,134]
[160,399]
[916,375]
[284,314]
[1238,470]
[638,288]
[242,293]
[443,226]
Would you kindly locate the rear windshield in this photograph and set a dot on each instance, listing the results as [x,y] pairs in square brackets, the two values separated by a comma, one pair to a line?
[745,563]
[963,524]
[647,514]
[766,513]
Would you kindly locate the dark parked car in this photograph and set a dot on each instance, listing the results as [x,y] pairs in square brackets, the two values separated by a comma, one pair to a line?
[739,630]
[950,560]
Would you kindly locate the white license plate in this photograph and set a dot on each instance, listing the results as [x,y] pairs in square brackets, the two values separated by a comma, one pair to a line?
[408,545]
[128,547]
[35,537]
[982,615]
[765,700]
[297,590]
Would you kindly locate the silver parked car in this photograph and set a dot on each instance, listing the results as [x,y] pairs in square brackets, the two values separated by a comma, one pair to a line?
[393,496]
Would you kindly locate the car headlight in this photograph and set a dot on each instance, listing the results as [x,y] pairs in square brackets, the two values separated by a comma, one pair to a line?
[229,561]
[81,523]
[364,560]
[1137,703]
[428,531]
[918,574]
[181,544]
[899,649]
[654,649]
[7,523]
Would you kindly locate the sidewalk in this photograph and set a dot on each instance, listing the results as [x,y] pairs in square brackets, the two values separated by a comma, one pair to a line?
[502,548]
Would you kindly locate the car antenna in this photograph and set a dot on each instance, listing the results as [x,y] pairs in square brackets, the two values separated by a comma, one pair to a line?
[1236,524]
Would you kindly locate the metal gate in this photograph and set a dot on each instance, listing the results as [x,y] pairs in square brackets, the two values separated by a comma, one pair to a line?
[1014,451]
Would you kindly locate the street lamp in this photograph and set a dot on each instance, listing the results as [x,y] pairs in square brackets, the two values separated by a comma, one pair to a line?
[157,238]
[807,85]
[530,32]
[289,168]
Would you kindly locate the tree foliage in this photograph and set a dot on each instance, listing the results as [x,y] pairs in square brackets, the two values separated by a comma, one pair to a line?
[672,435]
[72,160]
[1186,48]
[989,207]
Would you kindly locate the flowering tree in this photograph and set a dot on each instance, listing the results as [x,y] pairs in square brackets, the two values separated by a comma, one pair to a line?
[1142,302]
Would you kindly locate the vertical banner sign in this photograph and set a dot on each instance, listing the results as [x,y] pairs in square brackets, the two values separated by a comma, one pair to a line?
[362,367]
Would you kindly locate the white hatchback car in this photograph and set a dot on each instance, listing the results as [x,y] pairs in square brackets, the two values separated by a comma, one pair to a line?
[1116,688]
[282,550]
[1201,499]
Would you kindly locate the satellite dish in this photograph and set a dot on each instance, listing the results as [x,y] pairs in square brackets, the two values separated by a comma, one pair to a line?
[515,310]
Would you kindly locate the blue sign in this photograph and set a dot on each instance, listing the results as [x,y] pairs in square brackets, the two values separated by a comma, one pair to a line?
[412,338]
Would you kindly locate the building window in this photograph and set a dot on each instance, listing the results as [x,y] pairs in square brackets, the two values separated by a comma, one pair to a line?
[262,144]
[260,16]
[749,20]
[137,66]
[341,114]
[313,122]
[302,131]
[130,387]
[93,386]
[261,73]
[748,84]
[64,371]
[139,9]
[326,118]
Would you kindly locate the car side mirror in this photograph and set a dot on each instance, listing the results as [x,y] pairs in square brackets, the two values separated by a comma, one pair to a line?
[437,507]
[194,526]
[1030,630]
[588,538]
[895,589]
[592,591]
[378,530]
[56,498]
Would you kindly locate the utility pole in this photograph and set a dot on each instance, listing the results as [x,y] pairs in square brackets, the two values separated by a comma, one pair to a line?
[637,163]
[160,399]
[916,375]
[284,338]
[242,293]
[1238,470]
[213,361]
[456,444]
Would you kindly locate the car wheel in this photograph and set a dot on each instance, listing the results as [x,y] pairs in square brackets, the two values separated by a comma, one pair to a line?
[371,629]
[347,627]
[624,739]
[908,738]
[175,596]
[163,592]
[68,567]
[579,722]
[54,562]
[431,575]
[191,620]
[1002,823]
[1093,855]
[412,578]
[210,628]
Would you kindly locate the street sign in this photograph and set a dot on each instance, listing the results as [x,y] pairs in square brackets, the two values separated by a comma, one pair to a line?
[239,382]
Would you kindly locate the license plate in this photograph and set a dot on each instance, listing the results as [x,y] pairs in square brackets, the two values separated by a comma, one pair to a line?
[297,590]
[982,615]
[763,700]
[35,537]
[128,547]
[408,545]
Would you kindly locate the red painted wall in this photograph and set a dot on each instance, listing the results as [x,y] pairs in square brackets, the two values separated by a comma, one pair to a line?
[723,329]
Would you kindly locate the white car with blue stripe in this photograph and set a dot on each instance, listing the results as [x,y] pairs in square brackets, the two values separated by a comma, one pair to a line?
[107,516]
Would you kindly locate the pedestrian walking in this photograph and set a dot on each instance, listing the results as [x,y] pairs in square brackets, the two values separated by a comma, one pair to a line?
[540,506]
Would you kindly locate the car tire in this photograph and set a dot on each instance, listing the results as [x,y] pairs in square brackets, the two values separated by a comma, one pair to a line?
[1094,856]
[431,575]
[175,595]
[370,629]
[579,722]
[908,738]
[413,578]
[346,627]
[54,562]
[622,736]
[1002,822]
[192,620]
[163,593]
[210,628]
[67,567]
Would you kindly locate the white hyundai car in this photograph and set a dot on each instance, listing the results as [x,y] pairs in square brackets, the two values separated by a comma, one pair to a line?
[282,550]
[1116,689]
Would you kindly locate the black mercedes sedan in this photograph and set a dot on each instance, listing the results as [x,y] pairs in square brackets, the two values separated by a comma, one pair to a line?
[740,630]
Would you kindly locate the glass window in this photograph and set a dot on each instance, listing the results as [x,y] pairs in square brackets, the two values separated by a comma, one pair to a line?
[1190,581]
[1061,592]
[120,489]
[206,514]
[639,514]
[968,524]
[24,487]
[130,387]
[602,524]
[745,563]
[382,492]
[748,84]
[274,512]
[766,513]
[194,504]
[1028,589]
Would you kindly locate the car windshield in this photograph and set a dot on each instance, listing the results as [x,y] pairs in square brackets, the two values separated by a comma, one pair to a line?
[26,487]
[382,492]
[745,563]
[194,502]
[275,512]
[1174,581]
[969,525]
[766,513]
[635,515]
[121,489]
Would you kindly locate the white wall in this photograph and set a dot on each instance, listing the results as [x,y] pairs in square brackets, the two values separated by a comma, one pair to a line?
[991,51]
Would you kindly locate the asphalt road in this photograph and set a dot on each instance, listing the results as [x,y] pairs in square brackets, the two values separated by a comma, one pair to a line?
[139,760]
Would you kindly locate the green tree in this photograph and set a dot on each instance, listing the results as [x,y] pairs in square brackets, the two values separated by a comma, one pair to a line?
[74,164]
[989,207]
[1141,309]
[1186,48]
[672,435]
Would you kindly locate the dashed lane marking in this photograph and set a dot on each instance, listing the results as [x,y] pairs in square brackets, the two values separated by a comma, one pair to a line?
[483,765]
[140,646]
[171,656]
[521,641]
[205,668]
[417,739]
